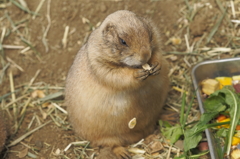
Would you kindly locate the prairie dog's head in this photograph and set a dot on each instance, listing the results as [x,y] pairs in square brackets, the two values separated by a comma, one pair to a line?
[128,38]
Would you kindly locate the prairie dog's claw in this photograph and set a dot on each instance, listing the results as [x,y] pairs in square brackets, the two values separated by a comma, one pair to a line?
[141,74]
[155,69]
[121,153]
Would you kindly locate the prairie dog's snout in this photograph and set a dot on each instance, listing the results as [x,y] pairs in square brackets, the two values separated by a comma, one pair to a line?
[145,55]
[138,59]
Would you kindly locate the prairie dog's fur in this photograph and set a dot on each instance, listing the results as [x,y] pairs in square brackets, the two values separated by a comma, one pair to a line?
[106,86]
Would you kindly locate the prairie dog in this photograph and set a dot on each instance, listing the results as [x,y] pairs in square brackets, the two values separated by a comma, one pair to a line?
[106,86]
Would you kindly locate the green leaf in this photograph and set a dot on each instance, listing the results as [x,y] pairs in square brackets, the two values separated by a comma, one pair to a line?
[198,155]
[172,133]
[194,135]
[190,140]
[204,127]
[222,133]
[214,102]
[180,157]
[219,148]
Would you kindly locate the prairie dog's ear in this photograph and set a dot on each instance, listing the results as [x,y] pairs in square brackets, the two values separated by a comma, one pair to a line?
[109,32]
[108,28]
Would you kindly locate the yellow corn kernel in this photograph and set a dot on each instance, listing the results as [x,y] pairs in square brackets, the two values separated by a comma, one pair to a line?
[224,81]
[235,140]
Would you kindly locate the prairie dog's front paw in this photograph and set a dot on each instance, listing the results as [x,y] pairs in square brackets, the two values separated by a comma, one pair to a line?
[155,69]
[141,74]
[107,152]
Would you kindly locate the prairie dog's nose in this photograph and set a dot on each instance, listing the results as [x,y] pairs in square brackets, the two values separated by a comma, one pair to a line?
[145,55]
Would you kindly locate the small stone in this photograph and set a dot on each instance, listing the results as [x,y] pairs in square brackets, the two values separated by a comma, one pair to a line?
[179,144]
[203,146]
[38,145]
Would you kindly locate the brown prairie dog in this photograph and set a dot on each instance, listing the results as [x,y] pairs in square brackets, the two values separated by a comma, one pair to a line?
[107,87]
[3,133]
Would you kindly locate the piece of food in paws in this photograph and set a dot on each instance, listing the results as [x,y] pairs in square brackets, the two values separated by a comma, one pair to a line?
[146,67]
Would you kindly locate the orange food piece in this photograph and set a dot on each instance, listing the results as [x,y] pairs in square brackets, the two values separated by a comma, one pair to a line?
[226,125]
[221,117]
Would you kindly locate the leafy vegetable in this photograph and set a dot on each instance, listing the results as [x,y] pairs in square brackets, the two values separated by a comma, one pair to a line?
[217,103]
[172,133]
[194,135]
[226,96]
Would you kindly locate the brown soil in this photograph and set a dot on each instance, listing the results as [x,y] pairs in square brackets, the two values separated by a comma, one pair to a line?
[55,62]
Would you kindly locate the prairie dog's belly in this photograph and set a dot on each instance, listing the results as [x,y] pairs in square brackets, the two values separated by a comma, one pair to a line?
[103,104]
[99,112]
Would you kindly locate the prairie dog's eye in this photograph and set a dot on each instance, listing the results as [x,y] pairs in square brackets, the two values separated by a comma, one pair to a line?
[123,42]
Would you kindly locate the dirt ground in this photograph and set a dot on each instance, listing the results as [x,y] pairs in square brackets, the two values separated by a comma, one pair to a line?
[47,53]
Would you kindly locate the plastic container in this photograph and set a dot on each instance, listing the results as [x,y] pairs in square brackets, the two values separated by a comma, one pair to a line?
[211,69]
